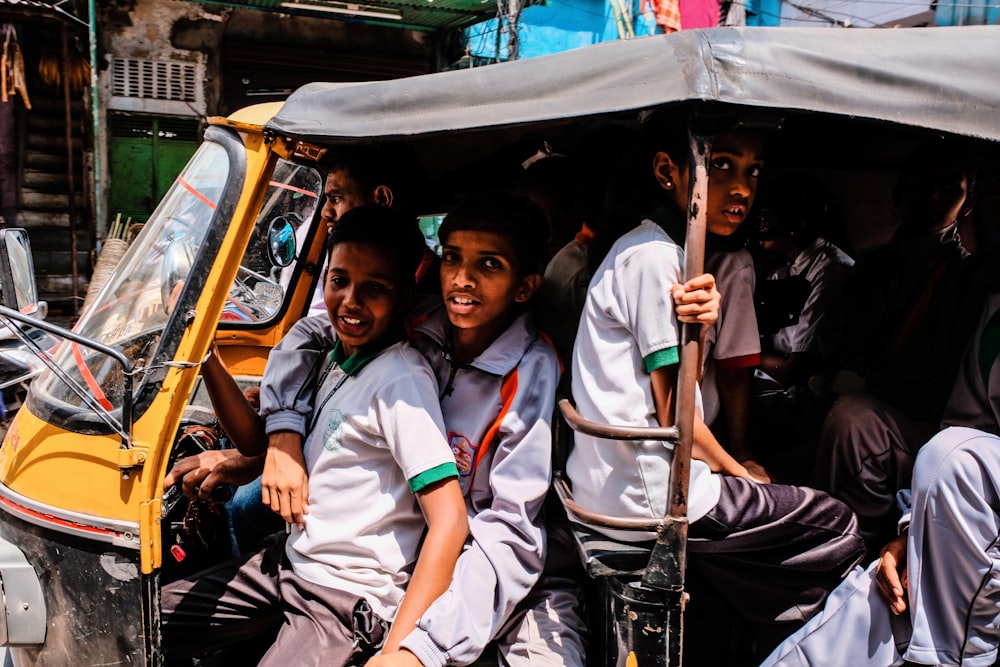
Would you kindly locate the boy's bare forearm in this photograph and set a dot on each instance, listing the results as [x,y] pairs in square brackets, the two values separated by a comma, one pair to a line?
[285,480]
[447,530]
[704,447]
[734,394]
[236,416]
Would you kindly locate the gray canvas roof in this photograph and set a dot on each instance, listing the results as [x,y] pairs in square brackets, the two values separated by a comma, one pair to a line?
[941,78]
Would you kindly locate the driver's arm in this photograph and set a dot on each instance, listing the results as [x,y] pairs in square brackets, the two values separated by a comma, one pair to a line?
[236,416]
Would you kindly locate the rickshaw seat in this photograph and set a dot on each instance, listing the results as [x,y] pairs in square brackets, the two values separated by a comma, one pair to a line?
[603,556]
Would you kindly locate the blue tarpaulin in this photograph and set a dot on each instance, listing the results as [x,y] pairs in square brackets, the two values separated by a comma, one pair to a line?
[967,12]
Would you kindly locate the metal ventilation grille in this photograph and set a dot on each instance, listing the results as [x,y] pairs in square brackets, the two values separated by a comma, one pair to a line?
[153,79]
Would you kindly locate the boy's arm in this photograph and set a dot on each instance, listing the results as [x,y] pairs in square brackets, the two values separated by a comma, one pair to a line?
[734,386]
[236,416]
[288,386]
[198,475]
[507,553]
[705,447]
[891,573]
[287,391]
[285,481]
[447,530]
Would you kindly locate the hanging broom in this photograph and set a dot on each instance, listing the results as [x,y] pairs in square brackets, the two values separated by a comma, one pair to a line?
[12,79]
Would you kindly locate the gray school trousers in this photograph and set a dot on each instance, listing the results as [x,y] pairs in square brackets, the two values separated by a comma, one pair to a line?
[259,595]
[865,455]
[773,552]
[953,558]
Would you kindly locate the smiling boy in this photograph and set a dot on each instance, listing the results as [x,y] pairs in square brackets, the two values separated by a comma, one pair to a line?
[496,383]
[375,445]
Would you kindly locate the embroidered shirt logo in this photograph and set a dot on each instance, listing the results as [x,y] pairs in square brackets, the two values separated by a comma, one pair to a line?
[464,451]
[334,432]
[465,458]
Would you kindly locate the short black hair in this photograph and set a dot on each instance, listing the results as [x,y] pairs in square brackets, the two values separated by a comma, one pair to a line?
[512,216]
[394,165]
[386,229]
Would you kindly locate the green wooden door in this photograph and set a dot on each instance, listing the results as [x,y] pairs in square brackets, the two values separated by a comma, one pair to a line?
[146,154]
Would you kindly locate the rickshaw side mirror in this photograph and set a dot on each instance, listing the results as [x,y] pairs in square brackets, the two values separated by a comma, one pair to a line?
[17,272]
[281,242]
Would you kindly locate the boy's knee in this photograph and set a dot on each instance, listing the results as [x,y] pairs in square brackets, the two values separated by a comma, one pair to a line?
[950,455]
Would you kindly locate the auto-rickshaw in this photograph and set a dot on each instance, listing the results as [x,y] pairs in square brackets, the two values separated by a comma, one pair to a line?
[231,255]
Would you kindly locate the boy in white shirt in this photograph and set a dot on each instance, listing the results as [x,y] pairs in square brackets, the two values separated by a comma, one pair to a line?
[374,452]
[771,552]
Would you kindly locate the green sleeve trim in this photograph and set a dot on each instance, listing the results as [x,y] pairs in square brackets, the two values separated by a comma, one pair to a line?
[435,474]
[662,358]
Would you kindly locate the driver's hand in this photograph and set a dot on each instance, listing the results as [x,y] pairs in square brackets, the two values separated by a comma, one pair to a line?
[198,475]
[697,301]
[891,573]
[285,481]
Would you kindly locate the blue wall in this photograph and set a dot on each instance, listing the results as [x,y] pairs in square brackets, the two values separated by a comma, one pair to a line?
[561,25]
[558,25]
[963,12]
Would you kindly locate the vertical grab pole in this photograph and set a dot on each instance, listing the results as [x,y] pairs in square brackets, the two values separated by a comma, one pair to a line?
[690,367]
[668,561]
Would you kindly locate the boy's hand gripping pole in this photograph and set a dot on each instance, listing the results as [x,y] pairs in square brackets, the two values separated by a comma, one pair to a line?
[669,557]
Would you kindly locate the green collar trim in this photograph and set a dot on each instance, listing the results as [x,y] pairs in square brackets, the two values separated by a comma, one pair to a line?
[353,364]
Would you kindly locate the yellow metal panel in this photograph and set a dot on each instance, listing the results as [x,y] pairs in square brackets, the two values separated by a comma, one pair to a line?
[67,470]
[84,473]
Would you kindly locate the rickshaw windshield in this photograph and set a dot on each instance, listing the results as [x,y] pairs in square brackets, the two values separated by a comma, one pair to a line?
[260,286]
[134,307]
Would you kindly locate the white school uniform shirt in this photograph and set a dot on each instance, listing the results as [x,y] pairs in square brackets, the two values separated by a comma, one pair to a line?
[374,442]
[733,340]
[827,268]
[629,319]
[498,410]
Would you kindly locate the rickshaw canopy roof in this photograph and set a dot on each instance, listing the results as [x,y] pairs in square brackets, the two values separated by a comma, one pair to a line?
[942,79]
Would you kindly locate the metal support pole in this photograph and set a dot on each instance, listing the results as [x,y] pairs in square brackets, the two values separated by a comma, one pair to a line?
[96,113]
[70,181]
[668,559]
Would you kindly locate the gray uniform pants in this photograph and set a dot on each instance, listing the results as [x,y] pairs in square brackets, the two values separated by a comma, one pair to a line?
[954,573]
[865,455]
[773,552]
[260,595]
[547,629]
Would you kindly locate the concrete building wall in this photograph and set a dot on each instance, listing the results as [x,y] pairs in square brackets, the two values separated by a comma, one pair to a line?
[234,57]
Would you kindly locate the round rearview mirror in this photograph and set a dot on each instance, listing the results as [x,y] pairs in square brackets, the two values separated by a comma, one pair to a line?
[177,261]
[281,242]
